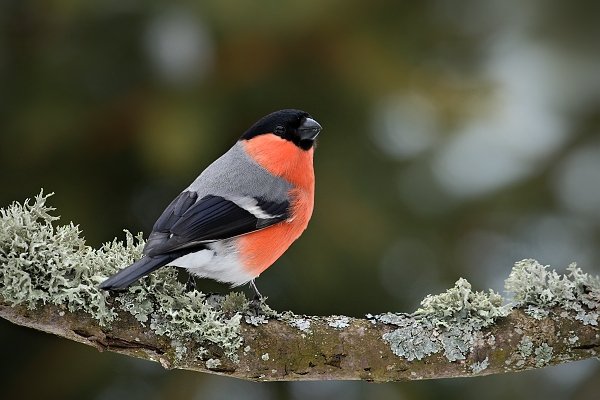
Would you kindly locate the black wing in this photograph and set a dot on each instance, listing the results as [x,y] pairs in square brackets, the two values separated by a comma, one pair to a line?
[188,222]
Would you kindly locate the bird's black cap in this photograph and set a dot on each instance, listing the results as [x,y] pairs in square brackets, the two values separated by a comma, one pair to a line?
[296,126]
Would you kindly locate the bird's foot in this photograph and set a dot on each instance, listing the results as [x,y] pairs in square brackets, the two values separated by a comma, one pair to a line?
[255,304]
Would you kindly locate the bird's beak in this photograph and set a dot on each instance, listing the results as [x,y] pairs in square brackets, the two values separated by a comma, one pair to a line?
[309,129]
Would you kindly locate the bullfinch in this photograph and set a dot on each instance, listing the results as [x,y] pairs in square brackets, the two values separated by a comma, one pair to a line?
[243,211]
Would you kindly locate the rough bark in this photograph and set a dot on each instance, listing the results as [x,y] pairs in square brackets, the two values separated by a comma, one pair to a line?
[277,351]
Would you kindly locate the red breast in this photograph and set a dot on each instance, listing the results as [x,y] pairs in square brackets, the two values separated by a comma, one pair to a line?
[260,249]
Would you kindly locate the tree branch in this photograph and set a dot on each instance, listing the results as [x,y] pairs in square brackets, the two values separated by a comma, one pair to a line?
[277,351]
[49,278]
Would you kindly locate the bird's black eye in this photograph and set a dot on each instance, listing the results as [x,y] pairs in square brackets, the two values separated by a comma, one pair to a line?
[279,130]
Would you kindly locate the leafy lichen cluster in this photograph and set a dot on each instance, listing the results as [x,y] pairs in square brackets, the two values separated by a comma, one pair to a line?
[41,263]
[460,304]
[447,322]
[538,289]
[480,366]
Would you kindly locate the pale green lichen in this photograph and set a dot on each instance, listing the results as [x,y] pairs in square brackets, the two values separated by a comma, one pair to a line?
[338,322]
[414,338]
[256,320]
[524,350]
[301,323]
[234,302]
[525,347]
[213,363]
[447,322]
[201,353]
[180,349]
[41,263]
[538,289]
[573,339]
[460,304]
[478,367]
[543,355]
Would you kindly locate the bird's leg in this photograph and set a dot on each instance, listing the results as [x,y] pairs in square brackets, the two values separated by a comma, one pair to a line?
[190,284]
[255,304]
[257,295]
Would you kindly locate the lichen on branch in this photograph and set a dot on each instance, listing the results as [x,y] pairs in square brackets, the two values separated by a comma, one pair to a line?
[538,289]
[41,263]
[446,321]
[49,280]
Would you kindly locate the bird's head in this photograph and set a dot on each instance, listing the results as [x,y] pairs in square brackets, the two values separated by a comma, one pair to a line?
[296,126]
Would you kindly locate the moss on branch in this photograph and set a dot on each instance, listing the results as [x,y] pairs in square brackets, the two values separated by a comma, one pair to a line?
[49,279]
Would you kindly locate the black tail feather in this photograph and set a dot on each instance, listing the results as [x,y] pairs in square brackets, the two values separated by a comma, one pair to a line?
[135,271]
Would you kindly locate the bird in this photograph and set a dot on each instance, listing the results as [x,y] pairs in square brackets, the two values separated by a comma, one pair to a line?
[242,212]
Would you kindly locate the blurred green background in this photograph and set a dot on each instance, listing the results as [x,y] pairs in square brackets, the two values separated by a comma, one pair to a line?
[458,138]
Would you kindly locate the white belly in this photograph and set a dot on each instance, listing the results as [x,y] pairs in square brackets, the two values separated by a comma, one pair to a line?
[219,262]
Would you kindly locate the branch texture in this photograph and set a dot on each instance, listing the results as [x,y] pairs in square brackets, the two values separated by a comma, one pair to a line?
[49,279]
[277,351]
